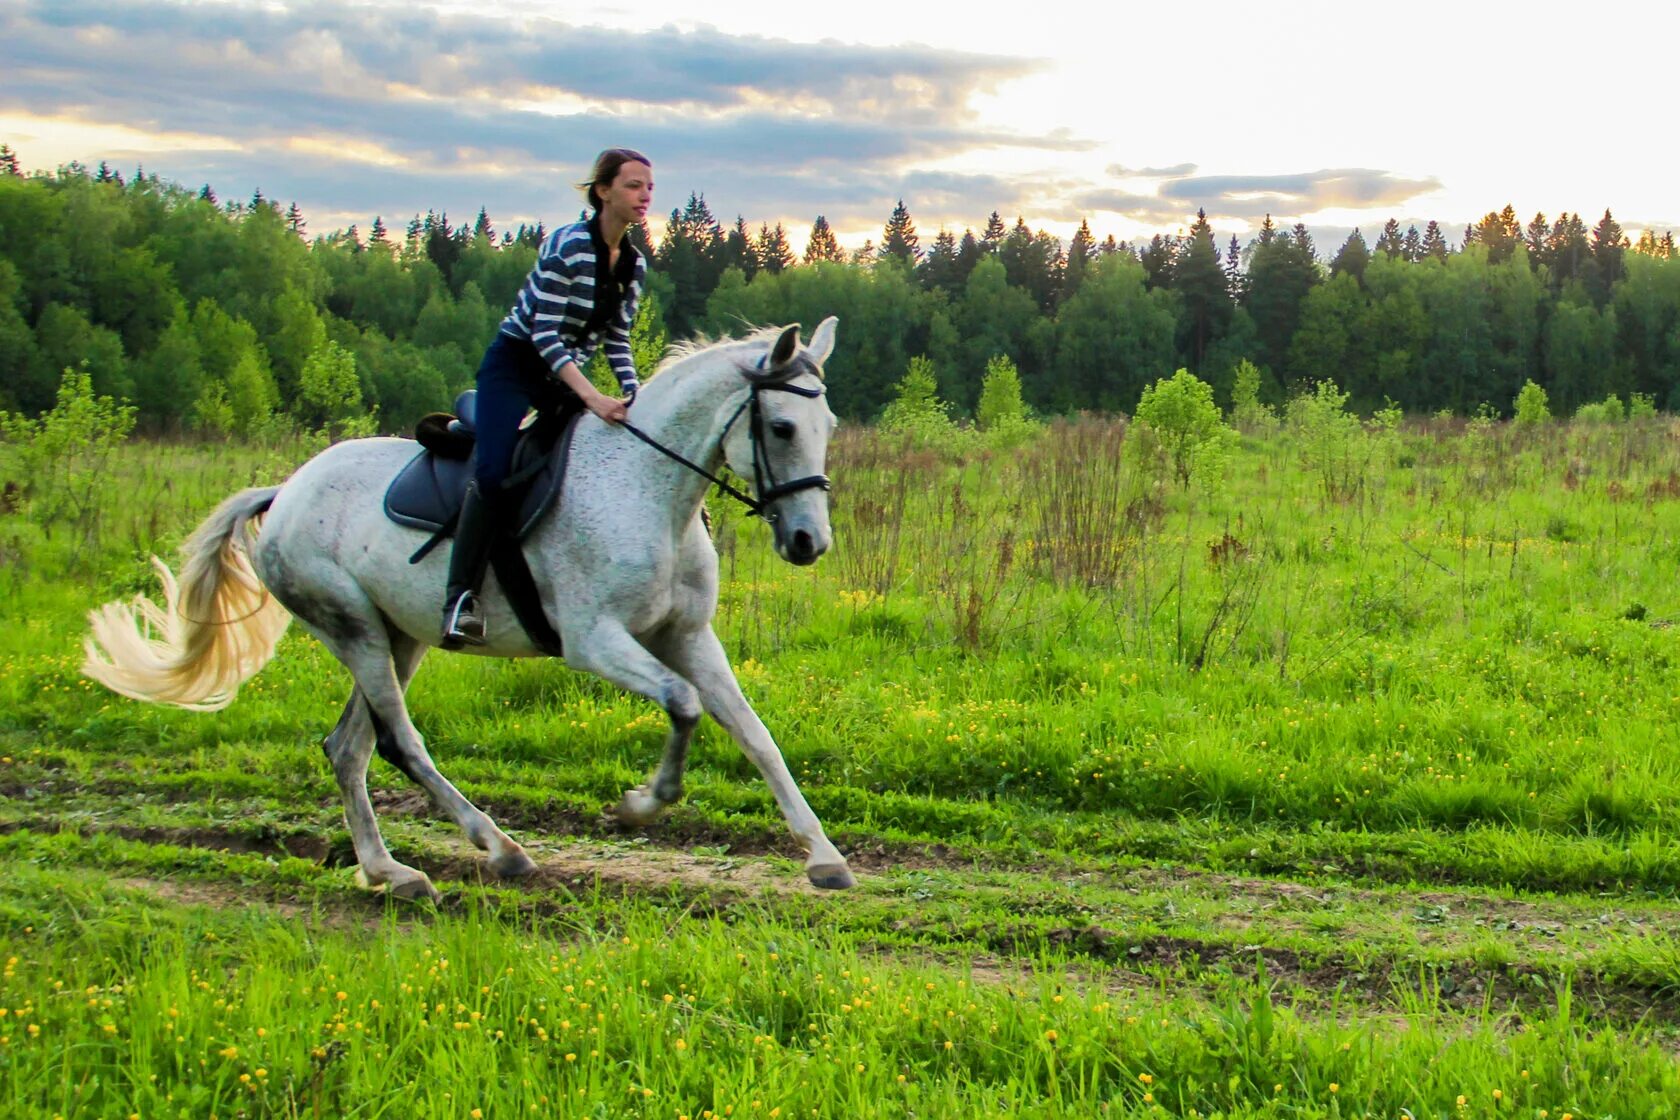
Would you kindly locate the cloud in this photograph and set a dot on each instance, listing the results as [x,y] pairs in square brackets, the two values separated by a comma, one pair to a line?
[1355,188]
[380,104]
[1176,171]
[419,74]
[1249,197]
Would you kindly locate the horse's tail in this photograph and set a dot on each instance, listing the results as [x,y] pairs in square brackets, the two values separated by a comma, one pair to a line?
[215,630]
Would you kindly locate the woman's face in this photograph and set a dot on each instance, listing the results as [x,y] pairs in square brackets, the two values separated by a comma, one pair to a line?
[631,193]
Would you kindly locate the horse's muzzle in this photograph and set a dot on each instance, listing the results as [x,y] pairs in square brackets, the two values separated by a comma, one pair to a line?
[800,544]
[803,548]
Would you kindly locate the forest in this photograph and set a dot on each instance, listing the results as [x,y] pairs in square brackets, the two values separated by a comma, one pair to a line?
[234,318]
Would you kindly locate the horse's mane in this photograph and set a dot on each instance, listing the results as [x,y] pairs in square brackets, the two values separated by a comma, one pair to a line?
[679,352]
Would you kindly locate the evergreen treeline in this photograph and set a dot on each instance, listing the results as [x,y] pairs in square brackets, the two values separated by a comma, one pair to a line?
[225,316]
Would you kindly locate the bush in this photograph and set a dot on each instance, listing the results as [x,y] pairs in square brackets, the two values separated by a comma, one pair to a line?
[916,409]
[1332,441]
[1607,411]
[1002,415]
[1531,405]
[1247,413]
[60,464]
[1178,427]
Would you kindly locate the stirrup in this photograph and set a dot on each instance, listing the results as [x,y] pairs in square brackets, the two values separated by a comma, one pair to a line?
[463,625]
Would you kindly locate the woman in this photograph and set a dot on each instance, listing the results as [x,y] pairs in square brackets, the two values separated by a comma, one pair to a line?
[584,289]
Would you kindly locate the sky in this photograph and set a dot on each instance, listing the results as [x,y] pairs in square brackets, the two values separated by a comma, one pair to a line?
[1128,116]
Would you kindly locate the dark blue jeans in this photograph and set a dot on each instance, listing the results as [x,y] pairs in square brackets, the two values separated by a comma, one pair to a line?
[512,379]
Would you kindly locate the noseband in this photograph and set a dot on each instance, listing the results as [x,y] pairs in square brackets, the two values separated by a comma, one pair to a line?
[764,478]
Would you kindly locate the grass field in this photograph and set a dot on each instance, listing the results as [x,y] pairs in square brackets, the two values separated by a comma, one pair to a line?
[1347,787]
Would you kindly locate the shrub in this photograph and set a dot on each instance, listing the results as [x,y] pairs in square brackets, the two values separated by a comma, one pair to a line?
[60,463]
[1607,411]
[1332,441]
[1247,413]
[1002,415]
[1531,405]
[916,409]
[1178,427]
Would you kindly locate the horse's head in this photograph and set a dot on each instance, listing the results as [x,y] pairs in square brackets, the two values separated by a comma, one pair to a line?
[782,445]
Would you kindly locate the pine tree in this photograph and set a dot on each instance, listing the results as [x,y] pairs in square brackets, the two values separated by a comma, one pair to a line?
[1157,261]
[969,254]
[1352,257]
[1567,250]
[257,200]
[379,236]
[205,194]
[1233,269]
[1534,238]
[898,238]
[1434,243]
[1609,247]
[939,267]
[9,162]
[1414,245]
[482,227]
[294,220]
[991,238]
[822,246]
[1391,242]
[1268,231]
[1205,301]
[1500,233]
[354,236]
[1304,242]
[1081,251]
[736,250]
[1109,247]
[773,252]
[1666,246]
[106,175]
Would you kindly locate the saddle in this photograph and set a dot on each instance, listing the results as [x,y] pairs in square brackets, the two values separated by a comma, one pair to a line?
[427,494]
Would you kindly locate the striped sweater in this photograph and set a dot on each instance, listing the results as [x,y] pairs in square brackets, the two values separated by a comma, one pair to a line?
[570,301]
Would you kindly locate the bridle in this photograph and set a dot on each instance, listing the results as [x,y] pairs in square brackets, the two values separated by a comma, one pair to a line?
[764,478]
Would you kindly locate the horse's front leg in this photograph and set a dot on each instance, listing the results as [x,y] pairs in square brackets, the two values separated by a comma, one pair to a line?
[612,653]
[699,656]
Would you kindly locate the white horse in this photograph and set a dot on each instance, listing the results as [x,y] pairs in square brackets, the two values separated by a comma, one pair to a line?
[627,574]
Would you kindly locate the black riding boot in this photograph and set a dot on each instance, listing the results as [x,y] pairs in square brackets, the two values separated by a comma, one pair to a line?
[463,616]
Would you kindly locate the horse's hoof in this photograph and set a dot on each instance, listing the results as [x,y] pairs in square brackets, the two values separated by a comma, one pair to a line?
[831,876]
[513,864]
[637,808]
[414,890]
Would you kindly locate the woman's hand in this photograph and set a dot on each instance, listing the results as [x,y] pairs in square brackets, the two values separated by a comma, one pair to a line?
[611,409]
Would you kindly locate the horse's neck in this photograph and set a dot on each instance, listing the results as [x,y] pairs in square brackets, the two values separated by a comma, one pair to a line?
[686,411]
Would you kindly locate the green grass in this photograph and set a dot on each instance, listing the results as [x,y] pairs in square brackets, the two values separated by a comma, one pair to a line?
[1416,750]
[120,1005]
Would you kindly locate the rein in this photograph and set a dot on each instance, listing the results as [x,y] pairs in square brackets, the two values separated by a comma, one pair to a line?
[764,479]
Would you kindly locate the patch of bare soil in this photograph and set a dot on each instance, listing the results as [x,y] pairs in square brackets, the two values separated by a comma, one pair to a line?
[1109,958]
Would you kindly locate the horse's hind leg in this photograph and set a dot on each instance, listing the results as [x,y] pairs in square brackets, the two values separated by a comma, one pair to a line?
[399,743]
[348,748]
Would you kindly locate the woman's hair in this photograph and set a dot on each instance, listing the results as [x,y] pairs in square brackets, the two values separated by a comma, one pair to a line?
[606,170]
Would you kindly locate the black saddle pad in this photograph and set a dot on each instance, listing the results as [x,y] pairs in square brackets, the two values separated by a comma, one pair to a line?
[427,493]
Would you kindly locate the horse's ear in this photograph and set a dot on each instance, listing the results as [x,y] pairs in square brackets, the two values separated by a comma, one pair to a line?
[786,347]
[822,340]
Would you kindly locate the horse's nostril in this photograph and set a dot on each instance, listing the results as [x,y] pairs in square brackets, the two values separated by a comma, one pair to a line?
[802,544]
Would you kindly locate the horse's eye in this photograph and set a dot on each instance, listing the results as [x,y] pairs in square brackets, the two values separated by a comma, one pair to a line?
[782,429]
